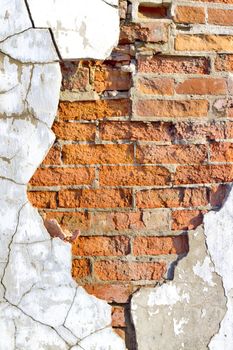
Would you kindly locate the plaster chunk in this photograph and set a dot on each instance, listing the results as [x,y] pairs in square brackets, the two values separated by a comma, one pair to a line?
[85,25]
[10,10]
[170,316]
[219,239]
[30,46]
[41,306]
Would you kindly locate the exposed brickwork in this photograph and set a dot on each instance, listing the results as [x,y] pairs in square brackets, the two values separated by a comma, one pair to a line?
[143,148]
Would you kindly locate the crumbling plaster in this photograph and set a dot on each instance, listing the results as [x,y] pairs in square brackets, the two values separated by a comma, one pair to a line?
[41,306]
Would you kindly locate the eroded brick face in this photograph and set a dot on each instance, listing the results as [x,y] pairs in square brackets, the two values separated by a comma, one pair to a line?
[143,148]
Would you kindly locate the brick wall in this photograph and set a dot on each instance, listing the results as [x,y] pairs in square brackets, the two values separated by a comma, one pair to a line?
[143,148]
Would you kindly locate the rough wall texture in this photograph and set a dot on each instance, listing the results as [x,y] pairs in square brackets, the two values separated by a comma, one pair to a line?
[143,149]
[42,308]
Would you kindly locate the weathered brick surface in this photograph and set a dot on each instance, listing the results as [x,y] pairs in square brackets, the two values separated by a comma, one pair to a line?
[173,64]
[117,270]
[143,146]
[189,14]
[172,108]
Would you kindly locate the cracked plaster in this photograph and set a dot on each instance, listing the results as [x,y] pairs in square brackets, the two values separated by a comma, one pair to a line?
[41,307]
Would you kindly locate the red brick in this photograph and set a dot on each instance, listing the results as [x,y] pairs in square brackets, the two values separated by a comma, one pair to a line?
[134,176]
[173,109]
[111,79]
[102,198]
[203,174]
[63,176]
[92,110]
[173,64]
[152,12]
[220,16]
[221,152]
[105,222]
[186,219]
[81,268]
[203,86]
[160,245]
[116,293]
[74,77]
[71,221]
[171,154]
[43,199]
[150,131]
[218,194]
[172,198]
[147,32]
[74,131]
[53,157]
[190,131]
[101,246]
[189,14]
[97,154]
[116,270]
[155,86]
[118,316]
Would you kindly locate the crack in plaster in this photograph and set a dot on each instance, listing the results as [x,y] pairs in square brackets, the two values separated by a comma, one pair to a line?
[41,305]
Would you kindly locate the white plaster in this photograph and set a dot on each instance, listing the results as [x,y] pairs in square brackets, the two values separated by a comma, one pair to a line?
[170,316]
[178,326]
[219,238]
[30,46]
[42,308]
[85,25]
[13,18]
[204,270]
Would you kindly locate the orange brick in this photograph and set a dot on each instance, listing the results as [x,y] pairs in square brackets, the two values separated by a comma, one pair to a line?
[117,293]
[111,79]
[63,176]
[103,198]
[160,245]
[189,14]
[202,42]
[173,109]
[53,157]
[116,270]
[172,198]
[97,154]
[155,131]
[118,316]
[70,221]
[81,268]
[101,246]
[43,199]
[156,86]
[100,109]
[220,16]
[172,154]
[204,174]
[134,176]
[202,86]
[186,219]
[173,64]
[224,63]
[74,131]
[221,152]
